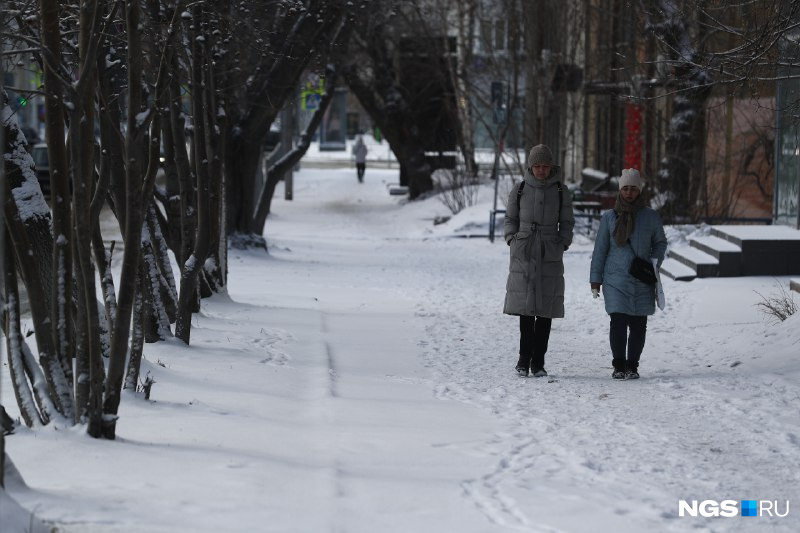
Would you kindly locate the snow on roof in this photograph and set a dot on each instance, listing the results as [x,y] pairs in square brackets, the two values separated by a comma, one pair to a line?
[594,173]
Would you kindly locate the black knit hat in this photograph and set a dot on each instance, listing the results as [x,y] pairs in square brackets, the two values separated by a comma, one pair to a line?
[540,155]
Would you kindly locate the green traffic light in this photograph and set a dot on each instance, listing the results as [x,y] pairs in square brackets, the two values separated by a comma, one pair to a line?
[22,101]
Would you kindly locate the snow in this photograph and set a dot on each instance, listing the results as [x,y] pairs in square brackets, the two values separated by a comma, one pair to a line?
[380,154]
[359,378]
[594,173]
[754,232]
[718,244]
[695,255]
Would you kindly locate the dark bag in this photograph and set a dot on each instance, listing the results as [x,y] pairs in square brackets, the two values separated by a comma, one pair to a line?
[643,271]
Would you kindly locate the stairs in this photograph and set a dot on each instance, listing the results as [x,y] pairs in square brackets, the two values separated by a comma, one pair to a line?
[730,251]
[794,284]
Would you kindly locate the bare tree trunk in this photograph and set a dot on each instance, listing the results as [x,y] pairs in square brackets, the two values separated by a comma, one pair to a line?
[681,169]
[29,229]
[3,290]
[292,157]
[134,138]
[167,287]
[399,130]
[213,267]
[61,298]
[270,84]
[183,167]
[89,361]
[137,337]
[155,322]
[188,296]
[139,182]
[531,132]
[14,342]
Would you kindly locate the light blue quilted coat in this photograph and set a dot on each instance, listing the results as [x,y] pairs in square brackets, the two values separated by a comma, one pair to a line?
[610,263]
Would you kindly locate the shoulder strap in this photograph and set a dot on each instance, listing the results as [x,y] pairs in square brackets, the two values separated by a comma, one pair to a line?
[560,197]
[560,200]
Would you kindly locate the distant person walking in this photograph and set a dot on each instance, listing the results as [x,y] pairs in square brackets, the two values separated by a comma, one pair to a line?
[629,230]
[538,228]
[360,153]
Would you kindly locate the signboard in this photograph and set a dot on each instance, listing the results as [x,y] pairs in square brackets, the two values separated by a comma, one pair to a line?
[311,95]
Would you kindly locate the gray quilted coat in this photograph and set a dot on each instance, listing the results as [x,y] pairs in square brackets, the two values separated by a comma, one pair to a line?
[622,292]
[538,239]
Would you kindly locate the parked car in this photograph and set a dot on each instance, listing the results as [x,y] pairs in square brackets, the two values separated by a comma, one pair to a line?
[42,167]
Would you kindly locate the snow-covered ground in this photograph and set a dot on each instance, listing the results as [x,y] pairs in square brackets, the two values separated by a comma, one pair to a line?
[359,378]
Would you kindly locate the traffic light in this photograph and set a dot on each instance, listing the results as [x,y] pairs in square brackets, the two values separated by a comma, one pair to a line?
[22,101]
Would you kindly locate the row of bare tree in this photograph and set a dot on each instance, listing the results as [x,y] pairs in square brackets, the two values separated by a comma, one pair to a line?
[135,89]
[128,84]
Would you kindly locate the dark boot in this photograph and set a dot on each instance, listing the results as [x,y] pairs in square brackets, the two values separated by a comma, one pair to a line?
[632,371]
[619,369]
[523,365]
[537,365]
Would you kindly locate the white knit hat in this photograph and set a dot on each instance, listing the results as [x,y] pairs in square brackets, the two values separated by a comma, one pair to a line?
[630,177]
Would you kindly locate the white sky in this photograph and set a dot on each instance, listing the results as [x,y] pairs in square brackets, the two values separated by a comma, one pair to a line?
[360,378]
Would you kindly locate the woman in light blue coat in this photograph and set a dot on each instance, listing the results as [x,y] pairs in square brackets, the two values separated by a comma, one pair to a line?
[629,229]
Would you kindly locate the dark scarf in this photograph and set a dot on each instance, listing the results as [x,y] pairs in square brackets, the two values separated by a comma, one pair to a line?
[626,214]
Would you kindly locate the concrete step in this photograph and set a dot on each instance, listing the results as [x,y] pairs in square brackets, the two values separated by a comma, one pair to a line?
[703,264]
[794,284]
[677,270]
[713,245]
[727,253]
[766,250]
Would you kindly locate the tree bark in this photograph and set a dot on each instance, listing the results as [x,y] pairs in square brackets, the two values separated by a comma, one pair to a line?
[681,169]
[188,295]
[61,298]
[293,156]
[32,242]
[14,342]
[301,35]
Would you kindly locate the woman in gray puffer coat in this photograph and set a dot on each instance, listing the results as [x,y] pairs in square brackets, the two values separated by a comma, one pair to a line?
[629,229]
[538,228]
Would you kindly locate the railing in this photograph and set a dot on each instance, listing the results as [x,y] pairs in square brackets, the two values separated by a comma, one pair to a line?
[593,211]
[738,220]
[492,221]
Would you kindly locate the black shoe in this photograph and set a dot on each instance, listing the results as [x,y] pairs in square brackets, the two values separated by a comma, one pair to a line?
[618,374]
[540,373]
[523,365]
[632,374]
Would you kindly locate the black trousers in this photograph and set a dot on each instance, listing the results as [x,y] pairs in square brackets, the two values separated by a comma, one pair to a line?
[622,341]
[534,332]
[360,168]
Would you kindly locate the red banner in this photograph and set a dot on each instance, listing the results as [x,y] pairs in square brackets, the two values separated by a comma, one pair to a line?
[633,136]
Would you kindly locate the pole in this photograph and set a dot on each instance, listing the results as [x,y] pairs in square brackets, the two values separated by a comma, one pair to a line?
[496,178]
[500,98]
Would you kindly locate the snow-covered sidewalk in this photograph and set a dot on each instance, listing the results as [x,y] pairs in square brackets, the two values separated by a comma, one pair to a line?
[360,378]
